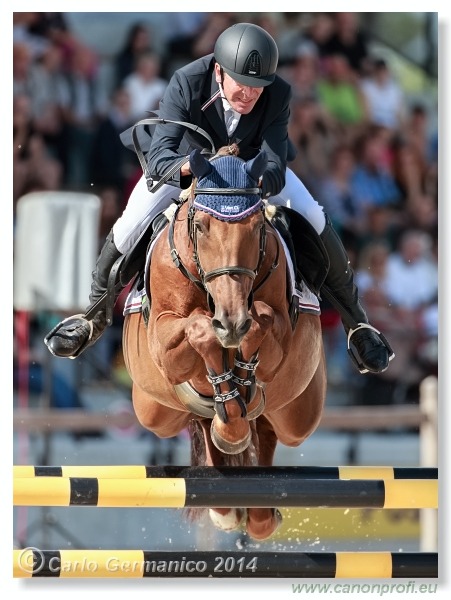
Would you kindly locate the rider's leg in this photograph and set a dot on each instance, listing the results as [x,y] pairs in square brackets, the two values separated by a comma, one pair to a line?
[372,350]
[69,339]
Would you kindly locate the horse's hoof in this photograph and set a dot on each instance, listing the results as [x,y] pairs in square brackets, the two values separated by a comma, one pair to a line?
[227,446]
[230,521]
[262,537]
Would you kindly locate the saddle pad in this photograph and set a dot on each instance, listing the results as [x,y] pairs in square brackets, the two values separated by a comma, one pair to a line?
[308,302]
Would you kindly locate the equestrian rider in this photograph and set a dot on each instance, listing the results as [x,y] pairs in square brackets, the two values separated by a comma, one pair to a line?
[234,95]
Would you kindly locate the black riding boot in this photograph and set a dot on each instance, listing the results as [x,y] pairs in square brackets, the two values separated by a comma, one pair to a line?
[73,335]
[373,350]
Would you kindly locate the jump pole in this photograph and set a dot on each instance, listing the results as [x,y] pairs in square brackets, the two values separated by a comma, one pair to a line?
[225,492]
[35,563]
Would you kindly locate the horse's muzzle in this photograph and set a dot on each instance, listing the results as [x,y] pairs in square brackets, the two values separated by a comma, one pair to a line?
[231,331]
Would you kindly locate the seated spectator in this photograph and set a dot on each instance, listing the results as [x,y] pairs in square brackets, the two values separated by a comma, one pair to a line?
[422,213]
[348,40]
[25,33]
[215,23]
[50,99]
[313,135]
[111,199]
[320,31]
[182,30]
[384,97]
[407,328]
[86,105]
[382,223]
[22,63]
[22,130]
[303,72]
[408,167]
[372,182]
[412,275]
[138,40]
[111,160]
[335,192]
[144,85]
[341,97]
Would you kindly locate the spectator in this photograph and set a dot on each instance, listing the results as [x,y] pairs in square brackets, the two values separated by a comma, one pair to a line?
[183,29]
[212,27]
[337,195]
[82,115]
[111,208]
[348,40]
[399,291]
[50,99]
[372,182]
[384,97]
[341,98]
[320,32]
[111,160]
[303,72]
[138,41]
[313,134]
[408,167]
[26,34]
[144,85]
[22,130]
[412,276]
[22,62]
[422,213]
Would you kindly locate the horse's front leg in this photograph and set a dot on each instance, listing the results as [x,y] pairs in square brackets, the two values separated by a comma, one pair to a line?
[265,343]
[230,429]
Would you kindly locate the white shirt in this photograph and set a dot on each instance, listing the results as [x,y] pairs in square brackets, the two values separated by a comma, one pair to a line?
[411,284]
[144,95]
[385,102]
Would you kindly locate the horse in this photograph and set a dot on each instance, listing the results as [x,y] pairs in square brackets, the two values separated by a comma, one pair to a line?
[220,354]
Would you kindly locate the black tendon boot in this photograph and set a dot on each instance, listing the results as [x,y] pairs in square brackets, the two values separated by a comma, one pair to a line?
[73,335]
[372,351]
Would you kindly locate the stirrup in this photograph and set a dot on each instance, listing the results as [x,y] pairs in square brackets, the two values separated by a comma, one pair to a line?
[355,359]
[62,324]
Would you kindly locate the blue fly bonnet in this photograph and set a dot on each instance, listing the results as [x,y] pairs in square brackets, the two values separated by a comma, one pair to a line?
[227,186]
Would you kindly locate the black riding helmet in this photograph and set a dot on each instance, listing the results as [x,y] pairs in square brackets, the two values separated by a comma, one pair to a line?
[248,54]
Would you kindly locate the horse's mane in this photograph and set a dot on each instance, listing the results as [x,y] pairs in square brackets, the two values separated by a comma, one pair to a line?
[232,150]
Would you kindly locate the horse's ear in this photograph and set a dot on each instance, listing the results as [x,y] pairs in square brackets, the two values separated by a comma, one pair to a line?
[256,167]
[199,165]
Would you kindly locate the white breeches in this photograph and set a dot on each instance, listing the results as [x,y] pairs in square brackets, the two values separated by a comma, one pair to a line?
[143,207]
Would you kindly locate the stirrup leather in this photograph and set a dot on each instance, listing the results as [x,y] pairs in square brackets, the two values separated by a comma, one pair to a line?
[352,354]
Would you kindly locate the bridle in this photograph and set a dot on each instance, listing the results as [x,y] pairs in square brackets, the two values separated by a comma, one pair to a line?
[206,276]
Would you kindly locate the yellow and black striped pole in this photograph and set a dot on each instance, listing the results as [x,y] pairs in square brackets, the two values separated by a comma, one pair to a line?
[233,492]
[142,472]
[32,562]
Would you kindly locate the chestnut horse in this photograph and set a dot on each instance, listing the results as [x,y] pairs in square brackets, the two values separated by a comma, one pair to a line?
[220,353]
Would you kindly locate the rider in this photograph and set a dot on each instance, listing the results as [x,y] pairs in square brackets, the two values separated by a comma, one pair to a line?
[234,95]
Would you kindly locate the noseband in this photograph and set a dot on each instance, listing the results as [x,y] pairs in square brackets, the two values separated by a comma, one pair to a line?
[230,270]
[205,277]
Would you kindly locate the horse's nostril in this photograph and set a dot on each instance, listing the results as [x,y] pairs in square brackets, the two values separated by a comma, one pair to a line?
[217,324]
[244,328]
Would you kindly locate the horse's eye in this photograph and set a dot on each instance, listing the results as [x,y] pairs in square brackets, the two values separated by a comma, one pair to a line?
[199,227]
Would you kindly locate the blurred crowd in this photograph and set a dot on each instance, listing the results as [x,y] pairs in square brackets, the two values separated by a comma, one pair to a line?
[366,151]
